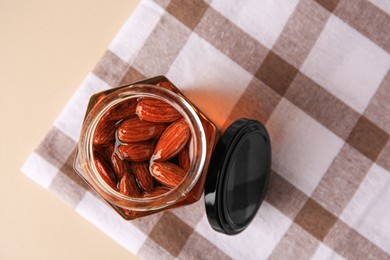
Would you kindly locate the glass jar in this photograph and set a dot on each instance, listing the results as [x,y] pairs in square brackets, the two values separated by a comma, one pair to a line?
[231,204]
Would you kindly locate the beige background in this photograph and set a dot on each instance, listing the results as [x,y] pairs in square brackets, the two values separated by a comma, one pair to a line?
[46,49]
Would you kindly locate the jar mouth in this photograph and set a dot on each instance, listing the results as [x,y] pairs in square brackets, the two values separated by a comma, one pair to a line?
[198,147]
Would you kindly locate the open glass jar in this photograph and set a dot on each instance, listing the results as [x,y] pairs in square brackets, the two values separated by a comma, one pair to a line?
[145,148]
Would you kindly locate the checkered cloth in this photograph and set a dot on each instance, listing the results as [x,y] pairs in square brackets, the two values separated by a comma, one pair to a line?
[315,72]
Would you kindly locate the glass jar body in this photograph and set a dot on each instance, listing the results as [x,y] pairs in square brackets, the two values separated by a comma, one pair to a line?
[204,135]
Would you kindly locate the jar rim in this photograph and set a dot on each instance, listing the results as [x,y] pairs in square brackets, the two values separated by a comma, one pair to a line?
[86,157]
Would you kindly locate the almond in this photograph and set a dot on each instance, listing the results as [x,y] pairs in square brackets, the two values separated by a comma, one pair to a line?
[136,152]
[159,190]
[155,110]
[104,150]
[130,213]
[107,150]
[128,186]
[105,170]
[184,158]
[172,140]
[136,130]
[120,166]
[105,132]
[142,175]
[122,110]
[167,173]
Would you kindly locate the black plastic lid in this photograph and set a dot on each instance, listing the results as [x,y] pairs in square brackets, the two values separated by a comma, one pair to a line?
[238,176]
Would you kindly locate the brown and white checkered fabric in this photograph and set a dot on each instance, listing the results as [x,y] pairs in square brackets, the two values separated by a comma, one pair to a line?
[315,72]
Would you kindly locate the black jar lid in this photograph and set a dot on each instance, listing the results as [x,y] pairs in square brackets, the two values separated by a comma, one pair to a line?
[238,176]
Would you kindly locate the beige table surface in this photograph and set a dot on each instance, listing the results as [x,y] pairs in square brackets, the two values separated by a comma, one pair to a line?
[46,49]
